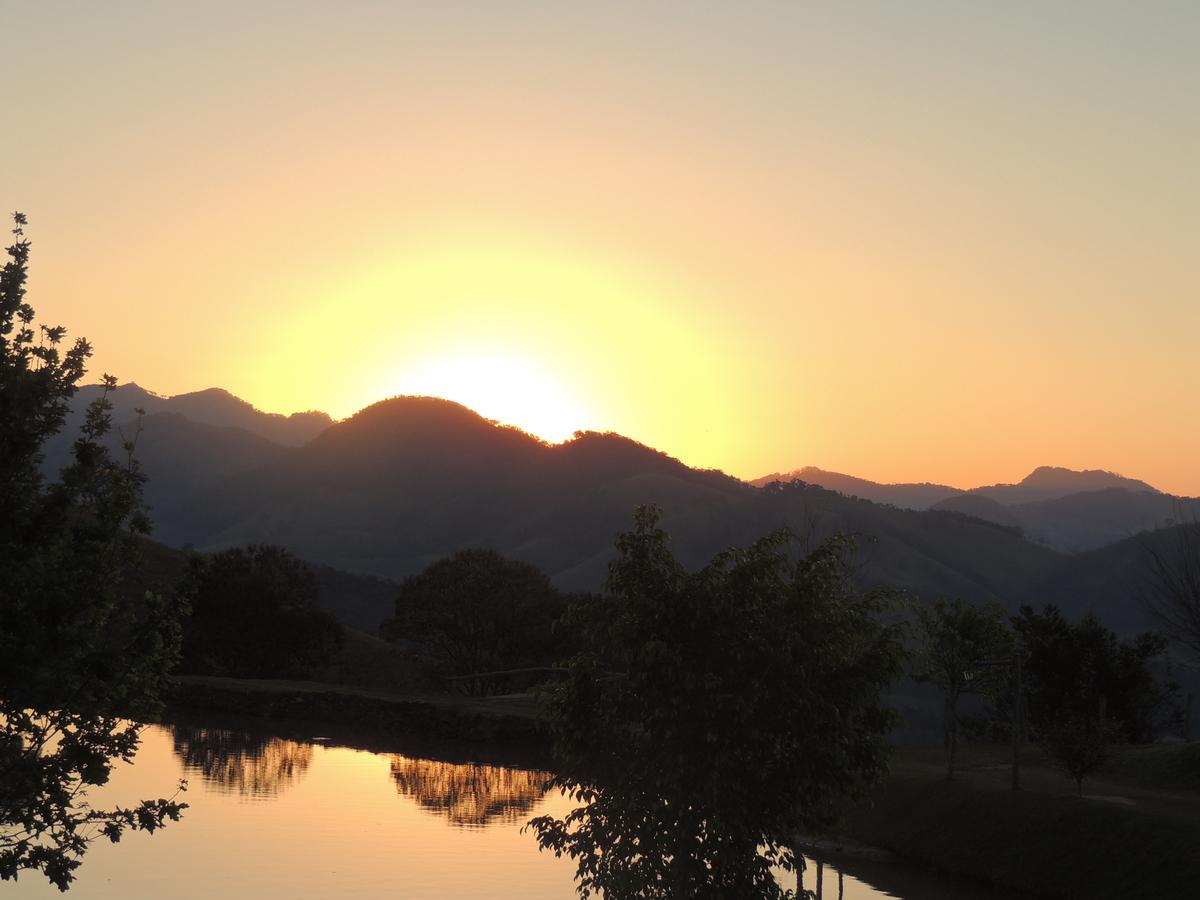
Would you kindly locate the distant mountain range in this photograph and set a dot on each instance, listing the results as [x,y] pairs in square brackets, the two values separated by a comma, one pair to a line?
[412,479]
[907,496]
[215,407]
[189,441]
[1062,508]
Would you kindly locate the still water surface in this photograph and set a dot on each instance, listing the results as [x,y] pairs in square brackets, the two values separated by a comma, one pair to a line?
[274,818]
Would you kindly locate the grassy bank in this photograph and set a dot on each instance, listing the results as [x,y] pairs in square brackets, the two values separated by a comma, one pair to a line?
[1134,833]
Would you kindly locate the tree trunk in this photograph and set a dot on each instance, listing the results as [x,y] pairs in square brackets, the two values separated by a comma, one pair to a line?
[951,735]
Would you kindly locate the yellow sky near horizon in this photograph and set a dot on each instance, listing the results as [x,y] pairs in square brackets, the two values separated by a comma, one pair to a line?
[911,242]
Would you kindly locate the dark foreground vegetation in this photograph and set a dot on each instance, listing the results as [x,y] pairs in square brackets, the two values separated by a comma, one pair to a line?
[254,614]
[681,724]
[80,651]
[703,716]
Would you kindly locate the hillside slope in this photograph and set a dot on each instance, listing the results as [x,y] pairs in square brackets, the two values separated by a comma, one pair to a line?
[410,480]
[1092,519]
[1052,482]
[179,457]
[1068,510]
[214,406]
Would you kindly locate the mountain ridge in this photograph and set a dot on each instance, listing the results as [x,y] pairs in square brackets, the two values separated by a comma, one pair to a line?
[910,495]
[210,406]
[1043,483]
[408,480]
[1071,510]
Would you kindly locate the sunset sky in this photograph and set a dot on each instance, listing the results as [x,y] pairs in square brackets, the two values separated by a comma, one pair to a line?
[909,241]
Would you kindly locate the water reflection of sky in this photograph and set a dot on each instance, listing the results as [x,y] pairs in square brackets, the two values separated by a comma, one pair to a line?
[275,819]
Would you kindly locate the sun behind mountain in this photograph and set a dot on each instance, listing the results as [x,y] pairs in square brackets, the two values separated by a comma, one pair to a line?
[509,389]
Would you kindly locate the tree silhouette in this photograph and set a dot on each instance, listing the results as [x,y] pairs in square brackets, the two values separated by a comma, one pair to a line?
[1074,670]
[957,641]
[255,615]
[715,714]
[479,612]
[82,650]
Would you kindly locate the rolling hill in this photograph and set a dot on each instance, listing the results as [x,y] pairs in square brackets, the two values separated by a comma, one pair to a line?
[1068,510]
[214,406]
[410,480]
[1053,482]
[179,456]
[1082,521]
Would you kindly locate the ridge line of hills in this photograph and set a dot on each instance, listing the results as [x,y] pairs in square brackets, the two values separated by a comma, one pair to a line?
[409,480]
[1069,510]
[1043,483]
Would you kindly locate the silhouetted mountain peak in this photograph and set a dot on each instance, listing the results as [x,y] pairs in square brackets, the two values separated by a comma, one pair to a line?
[433,441]
[609,442]
[130,390]
[1052,482]
[608,454]
[1056,477]
[806,473]
[410,417]
[217,395]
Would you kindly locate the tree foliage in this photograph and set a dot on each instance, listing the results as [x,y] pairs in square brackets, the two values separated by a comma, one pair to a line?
[714,714]
[1078,742]
[480,612]
[959,647]
[255,615]
[1072,670]
[82,651]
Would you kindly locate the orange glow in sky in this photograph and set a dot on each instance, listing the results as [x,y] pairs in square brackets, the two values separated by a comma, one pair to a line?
[905,241]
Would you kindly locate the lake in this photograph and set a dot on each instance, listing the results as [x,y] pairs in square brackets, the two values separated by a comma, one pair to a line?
[296,816]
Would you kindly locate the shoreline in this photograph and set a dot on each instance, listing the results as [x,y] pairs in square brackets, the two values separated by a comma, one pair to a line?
[1042,841]
[493,721]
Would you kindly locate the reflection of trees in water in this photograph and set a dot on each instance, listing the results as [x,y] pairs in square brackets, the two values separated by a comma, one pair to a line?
[237,761]
[821,893]
[469,794]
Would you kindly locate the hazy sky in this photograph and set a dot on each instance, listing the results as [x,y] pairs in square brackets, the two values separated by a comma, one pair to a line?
[911,241]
